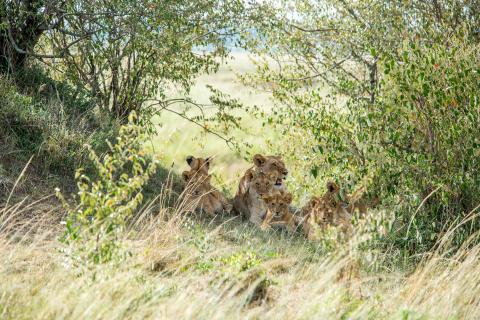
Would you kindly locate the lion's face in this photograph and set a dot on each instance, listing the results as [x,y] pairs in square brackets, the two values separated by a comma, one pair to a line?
[199,164]
[278,202]
[198,184]
[262,183]
[273,165]
[323,209]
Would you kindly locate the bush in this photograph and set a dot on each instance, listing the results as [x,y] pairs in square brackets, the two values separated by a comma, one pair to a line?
[426,123]
[103,205]
[417,141]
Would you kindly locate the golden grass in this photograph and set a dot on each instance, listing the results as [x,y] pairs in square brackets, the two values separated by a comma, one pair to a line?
[191,267]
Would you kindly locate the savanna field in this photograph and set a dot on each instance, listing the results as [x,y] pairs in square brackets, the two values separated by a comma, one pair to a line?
[239,159]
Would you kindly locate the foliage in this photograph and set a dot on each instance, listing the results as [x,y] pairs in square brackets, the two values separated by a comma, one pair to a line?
[124,52]
[338,43]
[104,203]
[50,121]
[426,123]
[380,100]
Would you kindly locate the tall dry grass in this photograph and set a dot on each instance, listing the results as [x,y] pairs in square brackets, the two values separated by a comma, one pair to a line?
[189,266]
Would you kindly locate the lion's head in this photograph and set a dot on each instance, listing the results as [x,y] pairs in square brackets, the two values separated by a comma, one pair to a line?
[262,183]
[272,165]
[199,164]
[278,202]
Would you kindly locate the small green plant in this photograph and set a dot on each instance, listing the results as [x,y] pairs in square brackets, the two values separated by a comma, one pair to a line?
[241,261]
[103,205]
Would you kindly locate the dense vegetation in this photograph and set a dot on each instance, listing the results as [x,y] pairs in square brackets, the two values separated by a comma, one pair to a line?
[382,97]
[401,114]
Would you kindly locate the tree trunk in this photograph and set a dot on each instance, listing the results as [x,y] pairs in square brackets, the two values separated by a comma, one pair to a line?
[22,26]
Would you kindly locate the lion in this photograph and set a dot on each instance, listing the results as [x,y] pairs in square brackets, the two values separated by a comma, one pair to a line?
[278,210]
[251,205]
[321,212]
[201,194]
[199,164]
[359,206]
[272,166]
[358,202]
[265,164]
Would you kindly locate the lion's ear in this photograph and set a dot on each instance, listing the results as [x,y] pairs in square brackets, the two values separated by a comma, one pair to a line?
[266,197]
[189,159]
[250,175]
[186,175]
[259,160]
[208,161]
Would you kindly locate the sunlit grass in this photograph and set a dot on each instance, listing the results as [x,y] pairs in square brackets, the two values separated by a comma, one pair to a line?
[192,267]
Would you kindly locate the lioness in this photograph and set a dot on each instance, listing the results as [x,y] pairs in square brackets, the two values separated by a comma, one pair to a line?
[265,164]
[199,191]
[278,210]
[271,166]
[251,205]
[324,211]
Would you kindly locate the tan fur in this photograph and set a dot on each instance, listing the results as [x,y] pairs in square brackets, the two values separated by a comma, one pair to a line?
[265,164]
[278,211]
[358,204]
[199,164]
[251,205]
[324,211]
[361,206]
[272,166]
[199,191]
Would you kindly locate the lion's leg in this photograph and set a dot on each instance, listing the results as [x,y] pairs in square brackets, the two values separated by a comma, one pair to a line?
[226,205]
[207,205]
[266,222]
[255,216]
[288,221]
[308,227]
[240,207]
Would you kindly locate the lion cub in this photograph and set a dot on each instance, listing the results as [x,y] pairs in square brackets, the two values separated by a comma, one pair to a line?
[324,211]
[251,205]
[278,211]
[199,191]
[199,164]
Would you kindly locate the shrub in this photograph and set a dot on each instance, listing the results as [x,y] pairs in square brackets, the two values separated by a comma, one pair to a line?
[418,141]
[103,205]
[426,123]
